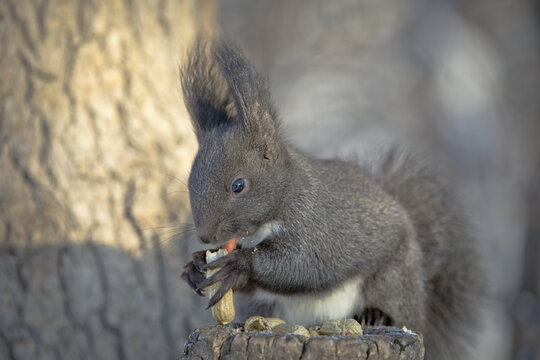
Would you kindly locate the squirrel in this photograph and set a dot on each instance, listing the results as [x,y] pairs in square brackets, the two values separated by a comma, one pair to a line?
[384,241]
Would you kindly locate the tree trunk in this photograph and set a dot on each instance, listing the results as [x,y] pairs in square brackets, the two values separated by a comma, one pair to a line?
[93,136]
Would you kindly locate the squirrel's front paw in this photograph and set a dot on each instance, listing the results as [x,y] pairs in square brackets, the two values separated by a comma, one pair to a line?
[193,271]
[234,274]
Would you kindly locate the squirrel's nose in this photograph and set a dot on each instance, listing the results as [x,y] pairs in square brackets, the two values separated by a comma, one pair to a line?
[206,239]
[207,234]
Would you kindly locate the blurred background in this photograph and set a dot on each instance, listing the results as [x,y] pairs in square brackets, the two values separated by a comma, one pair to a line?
[95,148]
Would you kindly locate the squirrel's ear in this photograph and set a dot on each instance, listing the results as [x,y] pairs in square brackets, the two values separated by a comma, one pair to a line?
[206,93]
[251,95]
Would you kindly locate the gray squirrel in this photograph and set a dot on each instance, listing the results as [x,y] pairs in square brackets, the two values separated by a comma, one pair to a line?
[383,242]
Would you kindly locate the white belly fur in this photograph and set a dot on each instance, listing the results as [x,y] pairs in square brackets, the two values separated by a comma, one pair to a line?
[342,302]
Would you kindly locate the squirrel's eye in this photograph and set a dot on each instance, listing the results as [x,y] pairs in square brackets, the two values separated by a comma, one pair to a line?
[238,185]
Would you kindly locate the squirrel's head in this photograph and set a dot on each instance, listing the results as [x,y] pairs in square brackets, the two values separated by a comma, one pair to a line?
[239,179]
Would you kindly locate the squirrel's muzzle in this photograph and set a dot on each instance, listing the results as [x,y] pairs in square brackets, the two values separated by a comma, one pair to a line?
[207,239]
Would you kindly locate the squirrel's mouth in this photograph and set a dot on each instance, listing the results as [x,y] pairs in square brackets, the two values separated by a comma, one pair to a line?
[263,232]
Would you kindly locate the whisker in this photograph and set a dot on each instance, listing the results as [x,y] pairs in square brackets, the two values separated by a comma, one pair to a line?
[178,230]
[177,179]
[172,225]
[169,242]
[176,191]
[170,237]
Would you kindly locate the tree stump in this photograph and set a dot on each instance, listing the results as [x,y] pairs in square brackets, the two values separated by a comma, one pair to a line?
[231,342]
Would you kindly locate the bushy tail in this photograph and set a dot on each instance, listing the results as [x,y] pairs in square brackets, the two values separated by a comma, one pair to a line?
[455,280]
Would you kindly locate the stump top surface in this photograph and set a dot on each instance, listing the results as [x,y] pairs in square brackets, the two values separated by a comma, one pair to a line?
[231,342]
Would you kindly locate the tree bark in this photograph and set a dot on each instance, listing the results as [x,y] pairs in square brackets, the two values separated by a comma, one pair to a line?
[94,147]
[226,342]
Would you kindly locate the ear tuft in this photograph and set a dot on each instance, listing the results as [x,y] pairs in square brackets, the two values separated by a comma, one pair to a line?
[222,89]
[206,94]
[251,95]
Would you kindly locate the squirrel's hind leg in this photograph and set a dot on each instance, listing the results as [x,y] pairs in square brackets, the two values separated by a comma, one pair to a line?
[373,317]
